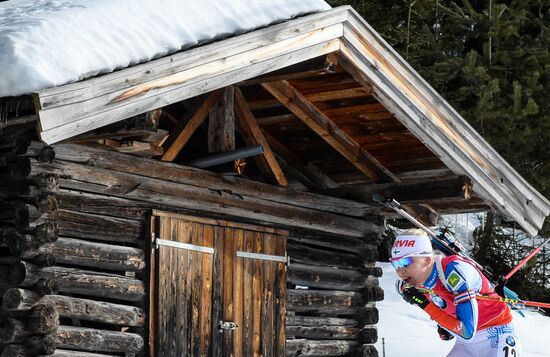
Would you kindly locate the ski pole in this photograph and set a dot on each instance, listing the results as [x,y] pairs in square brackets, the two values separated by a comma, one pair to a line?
[526,259]
[499,299]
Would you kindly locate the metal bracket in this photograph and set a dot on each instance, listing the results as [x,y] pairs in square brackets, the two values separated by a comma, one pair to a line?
[226,325]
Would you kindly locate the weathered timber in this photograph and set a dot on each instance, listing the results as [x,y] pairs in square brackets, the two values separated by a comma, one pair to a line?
[252,134]
[315,255]
[84,202]
[329,328]
[362,247]
[168,193]
[221,123]
[329,131]
[323,277]
[13,350]
[330,303]
[17,299]
[84,282]
[43,319]
[89,339]
[40,345]
[417,192]
[46,286]
[190,127]
[90,254]
[13,330]
[207,72]
[201,178]
[67,353]
[303,347]
[97,227]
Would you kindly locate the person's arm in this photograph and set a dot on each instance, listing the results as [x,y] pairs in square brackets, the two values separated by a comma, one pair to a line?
[464,283]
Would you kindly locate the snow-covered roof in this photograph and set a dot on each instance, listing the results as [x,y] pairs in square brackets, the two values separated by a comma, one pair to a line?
[46,43]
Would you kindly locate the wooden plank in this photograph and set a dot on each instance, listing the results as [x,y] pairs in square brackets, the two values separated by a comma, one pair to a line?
[213,181]
[238,294]
[281,298]
[217,290]
[195,280]
[268,312]
[426,191]
[220,223]
[248,121]
[196,120]
[257,288]
[207,75]
[326,128]
[221,122]
[207,327]
[229,255]
[248,297]
[314,97]
[180,196]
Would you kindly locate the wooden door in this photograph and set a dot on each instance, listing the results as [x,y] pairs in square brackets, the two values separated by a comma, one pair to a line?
[218,288]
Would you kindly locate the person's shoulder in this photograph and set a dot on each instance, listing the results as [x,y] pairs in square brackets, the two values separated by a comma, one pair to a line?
[459,272]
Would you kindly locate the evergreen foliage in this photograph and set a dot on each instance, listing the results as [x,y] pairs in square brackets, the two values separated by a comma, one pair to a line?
[490,59]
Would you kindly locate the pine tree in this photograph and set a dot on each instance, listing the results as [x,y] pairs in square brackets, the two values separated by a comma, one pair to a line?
[490,59]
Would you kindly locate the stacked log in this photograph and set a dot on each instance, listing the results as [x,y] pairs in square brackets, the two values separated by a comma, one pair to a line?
[72,221]
[74,283]
[330,309]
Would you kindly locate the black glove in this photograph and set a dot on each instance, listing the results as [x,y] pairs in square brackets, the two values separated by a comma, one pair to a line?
[413,296]
[444,334]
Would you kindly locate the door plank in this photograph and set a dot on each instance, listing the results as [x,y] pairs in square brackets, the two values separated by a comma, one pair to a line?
[248,274]
[280,300]
[196,283]
[267,303]
[228,310]
[183,233]
[217,289]
[257,296]
[206,296]
[238,293]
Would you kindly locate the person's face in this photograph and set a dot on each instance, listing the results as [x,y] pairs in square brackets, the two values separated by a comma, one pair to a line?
[417,271]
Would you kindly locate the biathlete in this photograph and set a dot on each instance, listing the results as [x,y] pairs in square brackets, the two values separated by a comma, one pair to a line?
[482,328]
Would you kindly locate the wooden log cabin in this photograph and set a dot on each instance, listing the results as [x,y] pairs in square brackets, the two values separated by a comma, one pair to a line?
[114,243]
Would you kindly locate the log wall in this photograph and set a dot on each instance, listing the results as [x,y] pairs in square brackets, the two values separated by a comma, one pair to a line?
[73,255]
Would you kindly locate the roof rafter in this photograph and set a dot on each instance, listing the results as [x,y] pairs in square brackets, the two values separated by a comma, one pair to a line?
[302,108]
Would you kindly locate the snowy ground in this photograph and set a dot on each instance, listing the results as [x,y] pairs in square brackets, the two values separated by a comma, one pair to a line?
[408,332]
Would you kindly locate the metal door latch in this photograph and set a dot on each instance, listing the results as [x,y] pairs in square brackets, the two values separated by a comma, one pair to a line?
[226,325]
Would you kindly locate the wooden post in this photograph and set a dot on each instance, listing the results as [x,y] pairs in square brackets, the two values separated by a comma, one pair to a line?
[252,134]
[221,123]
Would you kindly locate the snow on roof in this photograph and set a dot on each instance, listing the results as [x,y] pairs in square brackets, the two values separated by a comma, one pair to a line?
[46,43]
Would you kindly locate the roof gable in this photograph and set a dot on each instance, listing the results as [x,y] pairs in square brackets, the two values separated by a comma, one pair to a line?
[73,109]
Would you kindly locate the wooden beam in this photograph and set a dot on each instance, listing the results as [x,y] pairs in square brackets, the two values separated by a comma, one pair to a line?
[221,123]
[329,131]
[314,178]
[421,191]
[314,67]
[252,132]
[315,97]
[195,121]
